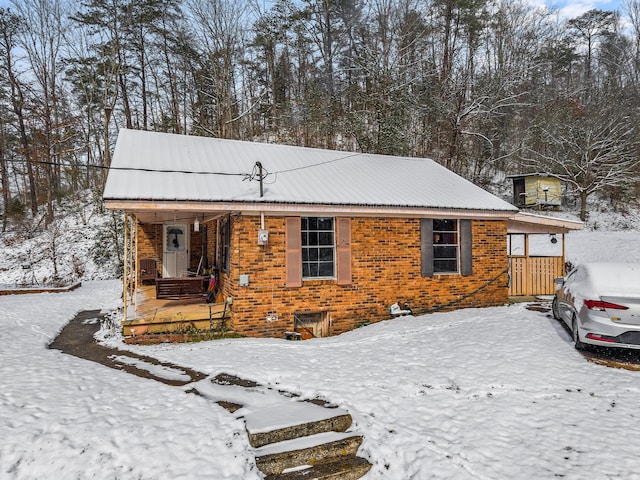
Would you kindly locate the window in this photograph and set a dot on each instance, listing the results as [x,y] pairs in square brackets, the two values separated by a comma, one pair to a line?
[445,246]
[175,239]
[318,247]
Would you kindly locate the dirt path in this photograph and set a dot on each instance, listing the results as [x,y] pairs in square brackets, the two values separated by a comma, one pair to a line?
[77,339]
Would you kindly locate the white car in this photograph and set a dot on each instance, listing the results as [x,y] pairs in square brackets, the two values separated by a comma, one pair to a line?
[600,303]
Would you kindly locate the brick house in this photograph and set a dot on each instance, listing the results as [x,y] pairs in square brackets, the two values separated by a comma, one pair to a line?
[308,240]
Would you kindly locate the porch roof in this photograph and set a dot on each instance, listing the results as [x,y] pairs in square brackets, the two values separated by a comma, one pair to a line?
[161,172]
[524,222]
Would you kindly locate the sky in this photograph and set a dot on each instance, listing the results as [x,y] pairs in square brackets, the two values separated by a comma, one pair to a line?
[573,8]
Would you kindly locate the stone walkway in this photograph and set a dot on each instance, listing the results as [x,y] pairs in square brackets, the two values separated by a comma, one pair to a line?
[77,339]
[291,438]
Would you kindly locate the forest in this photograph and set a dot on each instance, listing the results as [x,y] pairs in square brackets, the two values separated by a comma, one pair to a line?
[484,87]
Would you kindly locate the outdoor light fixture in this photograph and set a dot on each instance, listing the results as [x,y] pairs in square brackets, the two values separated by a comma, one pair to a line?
[196,225]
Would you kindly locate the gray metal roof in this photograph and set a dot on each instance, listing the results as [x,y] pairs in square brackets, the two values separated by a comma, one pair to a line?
[167,167]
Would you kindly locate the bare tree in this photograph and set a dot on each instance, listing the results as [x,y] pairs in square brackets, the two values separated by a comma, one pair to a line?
[10,27]
[590,148]
[42,39]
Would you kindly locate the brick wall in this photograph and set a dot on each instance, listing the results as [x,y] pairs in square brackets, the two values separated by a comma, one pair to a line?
[385,269]
[150,243]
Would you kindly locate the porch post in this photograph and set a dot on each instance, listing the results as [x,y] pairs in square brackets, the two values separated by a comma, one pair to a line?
[125,272]
[134,254]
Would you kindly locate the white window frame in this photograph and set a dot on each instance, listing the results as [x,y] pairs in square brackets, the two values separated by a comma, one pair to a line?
[441,238]
[308,247]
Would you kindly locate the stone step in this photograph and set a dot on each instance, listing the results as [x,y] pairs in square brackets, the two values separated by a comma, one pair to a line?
[289,420]
[346,468]
[320,448]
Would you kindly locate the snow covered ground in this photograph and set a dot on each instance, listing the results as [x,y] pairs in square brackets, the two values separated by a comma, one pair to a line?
[496,393]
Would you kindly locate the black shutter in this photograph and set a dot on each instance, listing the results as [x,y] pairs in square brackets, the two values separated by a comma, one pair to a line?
[426,247]
[466,254]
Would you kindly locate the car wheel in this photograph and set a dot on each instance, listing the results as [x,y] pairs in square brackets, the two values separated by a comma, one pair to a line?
[575,334]
[554,308]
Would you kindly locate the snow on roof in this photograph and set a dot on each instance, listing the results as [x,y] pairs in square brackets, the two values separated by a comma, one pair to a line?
[168,167]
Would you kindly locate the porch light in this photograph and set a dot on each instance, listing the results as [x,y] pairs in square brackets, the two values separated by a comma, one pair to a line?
[196,225]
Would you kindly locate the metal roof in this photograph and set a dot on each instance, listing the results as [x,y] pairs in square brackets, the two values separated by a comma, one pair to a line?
[162,167]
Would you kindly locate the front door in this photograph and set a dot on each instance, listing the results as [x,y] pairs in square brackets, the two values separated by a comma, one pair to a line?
[175,259]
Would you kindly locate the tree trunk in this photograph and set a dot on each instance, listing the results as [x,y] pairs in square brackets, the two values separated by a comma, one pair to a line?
[583,205]
[5,176]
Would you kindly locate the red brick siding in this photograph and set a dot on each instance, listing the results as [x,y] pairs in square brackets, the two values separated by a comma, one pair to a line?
[149,237]
[385,269]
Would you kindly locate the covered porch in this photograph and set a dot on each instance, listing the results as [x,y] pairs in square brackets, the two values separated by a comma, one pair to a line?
[174,272]
[536,252]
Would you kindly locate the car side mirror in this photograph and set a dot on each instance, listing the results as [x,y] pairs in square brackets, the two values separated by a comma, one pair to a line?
[559,281]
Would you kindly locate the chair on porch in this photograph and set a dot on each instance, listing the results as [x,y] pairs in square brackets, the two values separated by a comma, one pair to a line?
[148,270]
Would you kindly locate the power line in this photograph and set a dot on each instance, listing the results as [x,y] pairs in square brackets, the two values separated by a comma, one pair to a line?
[134,169]
[247,176]
[303,167]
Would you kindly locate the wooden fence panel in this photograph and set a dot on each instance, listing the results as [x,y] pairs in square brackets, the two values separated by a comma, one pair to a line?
[534,275]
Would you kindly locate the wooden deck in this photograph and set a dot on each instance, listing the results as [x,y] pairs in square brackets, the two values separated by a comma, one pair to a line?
[152,315]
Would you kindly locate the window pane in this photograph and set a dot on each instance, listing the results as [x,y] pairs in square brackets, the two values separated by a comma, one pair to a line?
[313,254]
[326,269]
[445,252]
[325,238]
[325,223]
[444,225]
[450,238]
[445,266]
[313,270]
[326,254]
[305,270]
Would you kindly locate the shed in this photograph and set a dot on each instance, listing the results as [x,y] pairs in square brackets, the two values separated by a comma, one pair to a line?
[536,190]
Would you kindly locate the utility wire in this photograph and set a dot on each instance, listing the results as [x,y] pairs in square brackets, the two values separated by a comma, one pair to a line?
[247,176]
[135,169]
[317,164]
